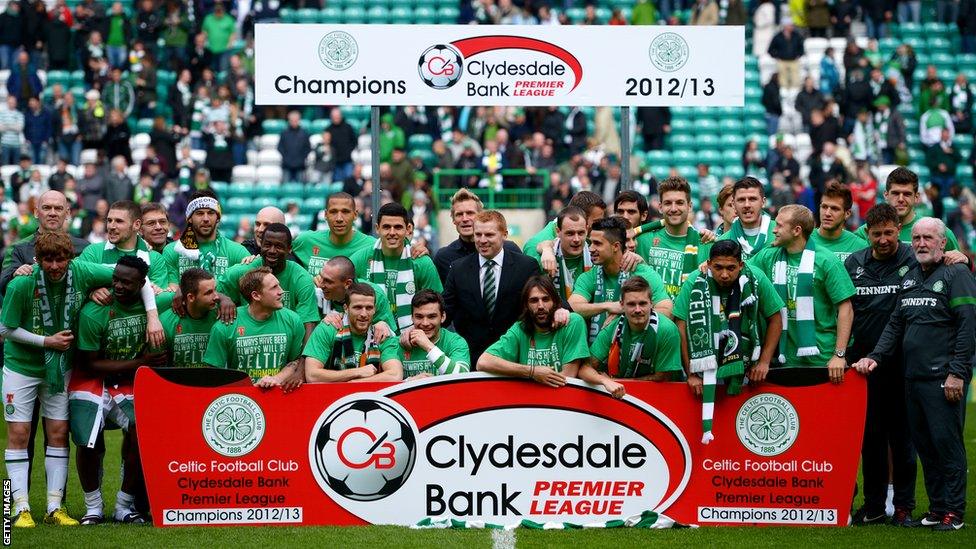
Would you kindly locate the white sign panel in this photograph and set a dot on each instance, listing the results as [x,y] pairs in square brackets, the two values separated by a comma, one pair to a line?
[499,65]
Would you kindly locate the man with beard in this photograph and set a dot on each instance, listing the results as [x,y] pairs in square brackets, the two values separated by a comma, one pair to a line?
[155,226]
[51,211]
[901,191]
[314,248]
[390,263]
[835,210]
[877,273]
[640,345]
[201,244]
[124,221]
[352,352]
[817,292]
[111,347]
[429,349]
[753,228]
[296,284]
[595,296]
[265,340]
[187,336]
[533,348]
[465,206]
[935,323]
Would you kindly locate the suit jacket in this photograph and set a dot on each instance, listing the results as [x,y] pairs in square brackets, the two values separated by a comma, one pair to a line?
[466,308]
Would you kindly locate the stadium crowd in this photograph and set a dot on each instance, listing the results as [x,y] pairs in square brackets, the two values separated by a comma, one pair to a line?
[117,205]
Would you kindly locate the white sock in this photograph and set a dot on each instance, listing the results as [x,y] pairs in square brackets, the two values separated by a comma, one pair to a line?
[17,470]
[889,501]
[93,503]
[56,467]
[123,505]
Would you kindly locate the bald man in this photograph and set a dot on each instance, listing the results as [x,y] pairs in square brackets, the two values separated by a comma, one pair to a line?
[51,211]
[265,217]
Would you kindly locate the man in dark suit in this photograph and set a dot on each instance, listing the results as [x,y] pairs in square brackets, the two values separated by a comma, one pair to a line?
[465,206]
[483,290]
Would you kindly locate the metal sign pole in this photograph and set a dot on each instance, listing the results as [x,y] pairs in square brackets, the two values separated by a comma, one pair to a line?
[625,181]
[374,151]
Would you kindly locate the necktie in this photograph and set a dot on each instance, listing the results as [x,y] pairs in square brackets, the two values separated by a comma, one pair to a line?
[488,288]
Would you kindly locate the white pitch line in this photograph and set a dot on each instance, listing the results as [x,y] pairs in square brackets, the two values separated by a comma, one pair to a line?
[503,539]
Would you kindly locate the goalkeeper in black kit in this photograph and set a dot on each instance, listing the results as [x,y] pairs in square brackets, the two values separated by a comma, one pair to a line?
[935,323]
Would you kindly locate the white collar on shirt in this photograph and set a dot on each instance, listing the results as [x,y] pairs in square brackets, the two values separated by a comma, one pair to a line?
[497,259]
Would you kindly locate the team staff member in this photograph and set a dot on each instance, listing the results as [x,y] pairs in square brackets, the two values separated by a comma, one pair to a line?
[431,350]
[187,335]
[835,210]
[877,274]
[534,347]
[201,244]
[817,292]
[265,340]
[640,345]
[352,352]
[155,226]
[935,321]
[465,206]
[314,248]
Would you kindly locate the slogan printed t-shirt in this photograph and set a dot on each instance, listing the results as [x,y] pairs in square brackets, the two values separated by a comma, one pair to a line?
[225,251]
[553,349]
[259,348]
[320,344]
[315,248]
[296,285]
[666,255]
[843,246]
[586,284]
[454,347]
[186,337]
[96,253]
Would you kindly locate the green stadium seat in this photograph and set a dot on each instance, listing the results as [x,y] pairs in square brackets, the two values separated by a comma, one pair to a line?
[448,15]
[288,15]
[355,3]
[933,28]
[313,205]
[938,45]
[378,15]
[424,15]
[330,14]
[656,158]
[307,15]
[262,201]
[710,157]
[734,142]
[59,77]
[706,126]
[166,77]
[681,142]
[731,157]
[292,191]
[423,3]
[318,126]
[239,205]
[660,171]
[684,157]
[708,141]
[230,220]
[219,187]
[603,15]
[575,15]
[943,61]
[273,126]
[144,125]
[77,78]
[755,126]
[268,190]
[401,15]
[730,126]
[420,141]
[354,15]
[688,172]
[910,30]
[682,125]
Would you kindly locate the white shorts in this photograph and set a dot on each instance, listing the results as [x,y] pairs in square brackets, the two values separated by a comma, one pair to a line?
[20,392]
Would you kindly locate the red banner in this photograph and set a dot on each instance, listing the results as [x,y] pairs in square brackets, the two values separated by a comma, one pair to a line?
[499,450]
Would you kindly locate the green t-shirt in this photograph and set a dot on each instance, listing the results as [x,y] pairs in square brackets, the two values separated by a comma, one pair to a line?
[552,349]
[769,301]
[666,255]
[320,343]
[96,253]
[456,360]
[314,248]
[752,239]
[424,278]
[24,227]
[22,309]
[186,338]
[118,331]
[905,235]
[219,30]
[259,348]
[225,251]
[843,246]
[831,286]
[574,265]
[296,283]
[667,352]
[586,285]
[547,233]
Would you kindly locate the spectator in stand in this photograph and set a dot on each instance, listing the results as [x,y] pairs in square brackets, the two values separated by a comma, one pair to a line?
[38,129]
[823,129]
[118,185]
[708,184]
[808,99]
[220,29]
[60,174]
[119,94]
[391,137]
[23,82]
[932,123]
[787,49]
[736,13]
[891,130]
[575,135]
[175,33]
[118,35]
[818,17]
[752,158]
[864,139]
[198,57]
[11,132]
[117,134]
[67,130]
[149,24]
[885,87]
[655,125]
[59,37]
[904,61]
[294,144]
[787,165]
[220,158]
[966,20]
[772,103]
[942,160]
[145,88]
[11,34]
[324,163]
[782,194]
[764,27]
[344,142]
[643,13]
[91,188]
[877,14]
[22,175]
[704,12]
[865,194]
[932,87]
[823,168]
[961,104]
[829,73]
[857,97]
[34,188]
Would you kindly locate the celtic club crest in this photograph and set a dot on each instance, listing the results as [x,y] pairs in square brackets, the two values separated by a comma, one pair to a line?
[338,50]
[767,424]
[233,425]
[668,51]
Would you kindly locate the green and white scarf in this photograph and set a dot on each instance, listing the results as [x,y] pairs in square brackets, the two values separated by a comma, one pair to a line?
[142,251]
[343,354]
[718,353]
[600,296]
[55,362]
[621,364]
[401,290]
[805,327]
[739,234]
[692,239]
[564,280]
